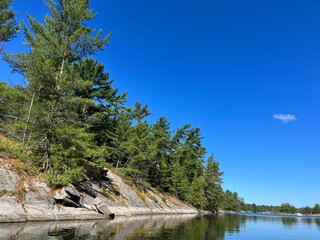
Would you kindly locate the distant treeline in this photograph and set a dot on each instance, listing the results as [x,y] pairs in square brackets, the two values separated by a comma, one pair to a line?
[284,208]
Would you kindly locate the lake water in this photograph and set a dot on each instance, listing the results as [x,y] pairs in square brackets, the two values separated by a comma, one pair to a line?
[175,227]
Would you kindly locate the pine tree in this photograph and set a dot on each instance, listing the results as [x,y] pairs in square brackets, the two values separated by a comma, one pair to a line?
[213,180]
[8,28]
[316,209]
[13,110]
[98,103]
[160,144]
[57,48]
[187,148]
[196,196]
[121,149]
[141,159]
[193,153]
[140,112]
[179,184]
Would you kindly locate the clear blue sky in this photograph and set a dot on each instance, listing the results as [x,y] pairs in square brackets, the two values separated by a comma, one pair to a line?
[226,67]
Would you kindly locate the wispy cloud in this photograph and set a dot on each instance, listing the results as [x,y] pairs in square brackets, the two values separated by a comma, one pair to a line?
[284,118]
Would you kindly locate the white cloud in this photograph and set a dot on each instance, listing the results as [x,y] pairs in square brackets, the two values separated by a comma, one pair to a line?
[285,118]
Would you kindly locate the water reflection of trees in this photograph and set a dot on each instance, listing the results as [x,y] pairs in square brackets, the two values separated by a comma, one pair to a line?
[289,222]
[146,227]
[151,227]
[307,221]
[206,227]
[317,221]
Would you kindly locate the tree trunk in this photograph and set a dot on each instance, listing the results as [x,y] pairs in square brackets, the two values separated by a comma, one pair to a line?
[28,118]
[46,162]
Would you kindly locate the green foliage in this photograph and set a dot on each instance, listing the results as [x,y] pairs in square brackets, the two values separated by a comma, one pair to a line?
[57,178]
[287,208]
[306,210]
[179,184]
[213,180]
[56,117]
[197,195]
[316,209]
[72,122]
[8,28]
[160,153]
[260,208]
[107,194]
[232,202]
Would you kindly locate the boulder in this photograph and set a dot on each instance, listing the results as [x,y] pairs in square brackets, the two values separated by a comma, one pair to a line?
[102,206]
[68,196]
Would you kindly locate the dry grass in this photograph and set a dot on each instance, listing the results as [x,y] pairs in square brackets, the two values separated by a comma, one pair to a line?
[107,194]
[121,199]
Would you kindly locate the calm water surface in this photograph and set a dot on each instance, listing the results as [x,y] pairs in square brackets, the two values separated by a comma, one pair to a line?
[227,226]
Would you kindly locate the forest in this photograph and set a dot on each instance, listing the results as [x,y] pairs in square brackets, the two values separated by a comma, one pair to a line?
[68,122]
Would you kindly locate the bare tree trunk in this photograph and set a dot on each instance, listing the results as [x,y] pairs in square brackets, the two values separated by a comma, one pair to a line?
[46,163]
[118,162]
[59,75]
[61,70]
[131,155]
[28,118]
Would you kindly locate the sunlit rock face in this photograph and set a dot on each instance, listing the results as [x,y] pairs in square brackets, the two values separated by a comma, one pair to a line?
[28,198]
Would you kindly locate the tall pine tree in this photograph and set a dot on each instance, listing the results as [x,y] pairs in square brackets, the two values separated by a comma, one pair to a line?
[213,180]
[58,51]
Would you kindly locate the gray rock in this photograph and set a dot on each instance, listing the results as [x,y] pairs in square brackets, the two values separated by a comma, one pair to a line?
[102,206]
[130,196]
[68,196]
[71,213]
[28,198]
[39,201]
[11,210]
[8,180]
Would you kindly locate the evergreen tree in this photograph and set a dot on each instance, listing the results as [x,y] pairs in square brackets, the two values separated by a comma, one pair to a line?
[98,103]
[160,144]
[232,202]
[213,190]
[141,159]
[187,148]
[13,110]
[57,48]
[197,194]
[193,155]
[316,209]
[185,164]
[8,28]
[121,149]
[287,208]
[179,184]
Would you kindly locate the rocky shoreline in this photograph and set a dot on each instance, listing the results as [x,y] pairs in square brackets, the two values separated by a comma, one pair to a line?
[28,198]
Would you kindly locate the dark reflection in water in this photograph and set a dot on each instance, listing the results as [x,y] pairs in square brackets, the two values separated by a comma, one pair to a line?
[173,227]
[289,222]
[318,222]
[307,221]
